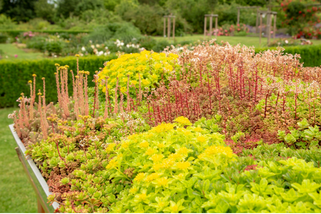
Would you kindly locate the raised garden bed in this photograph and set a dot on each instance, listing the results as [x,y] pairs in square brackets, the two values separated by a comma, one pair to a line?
[34,175]
[211,129]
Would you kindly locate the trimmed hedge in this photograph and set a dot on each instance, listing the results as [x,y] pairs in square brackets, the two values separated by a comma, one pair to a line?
[14,76]
[310,54]
[14,33]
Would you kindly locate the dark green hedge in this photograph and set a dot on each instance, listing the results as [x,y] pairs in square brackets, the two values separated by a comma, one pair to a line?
[14,33]
[310,54]
[14,76]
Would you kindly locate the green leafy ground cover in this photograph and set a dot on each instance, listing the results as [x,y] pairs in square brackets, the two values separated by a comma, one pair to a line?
[16,193]
[219,129]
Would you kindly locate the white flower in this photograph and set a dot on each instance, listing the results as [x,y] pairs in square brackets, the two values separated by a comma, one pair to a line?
[286,41]
[83,48]
[97,46]
[100,53]
[106,48]
[92,46]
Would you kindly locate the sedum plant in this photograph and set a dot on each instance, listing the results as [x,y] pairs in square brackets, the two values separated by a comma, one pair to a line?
[145,68]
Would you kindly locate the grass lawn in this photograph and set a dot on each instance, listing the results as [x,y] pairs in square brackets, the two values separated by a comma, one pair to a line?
[233,40]
[16,193]
[10,50]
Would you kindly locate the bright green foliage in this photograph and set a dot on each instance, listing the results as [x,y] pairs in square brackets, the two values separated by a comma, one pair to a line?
[148,66]
[305,136]
[279,151]
[11,86]
[168,162]
[189,170]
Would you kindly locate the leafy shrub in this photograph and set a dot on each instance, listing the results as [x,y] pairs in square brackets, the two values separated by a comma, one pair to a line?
[3,38]
[54,47]
[37,42]
[13,86]
[121,31]
[6,22]
[150,67]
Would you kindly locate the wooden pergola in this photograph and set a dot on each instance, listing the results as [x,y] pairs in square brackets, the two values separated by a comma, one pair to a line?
[246,8]
[211,23]
[169,18]
[269,14]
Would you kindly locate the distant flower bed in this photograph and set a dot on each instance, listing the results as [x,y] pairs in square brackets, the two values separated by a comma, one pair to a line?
[289,42]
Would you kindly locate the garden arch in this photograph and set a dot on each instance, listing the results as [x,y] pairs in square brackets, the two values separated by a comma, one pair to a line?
[246,8]
[211,23]
[169,18]
[269,15]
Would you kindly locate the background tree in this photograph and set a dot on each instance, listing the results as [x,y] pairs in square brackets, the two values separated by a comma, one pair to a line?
[45,10]
[19,10]
[111,4]
[68,8]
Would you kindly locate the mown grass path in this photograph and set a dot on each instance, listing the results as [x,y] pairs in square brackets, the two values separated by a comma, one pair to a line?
[11,52]
[16,193]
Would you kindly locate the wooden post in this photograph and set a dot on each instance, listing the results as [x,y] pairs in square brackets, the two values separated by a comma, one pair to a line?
[260,27]
[216,27]
[257,21]
[164,31]
[205,22]
[174,28]
[274,28]
[268,30]
[211,25]
[238,15]
[168,27]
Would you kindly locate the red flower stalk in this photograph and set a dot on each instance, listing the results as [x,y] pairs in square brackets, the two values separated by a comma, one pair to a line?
[44,94]
[266,100]
[107,98]
[128,97]
[23,111]
[116,97]
[76,97]
[42,122]
[58,88]
[121,102]
[96,91]
[31,101]
[140,89]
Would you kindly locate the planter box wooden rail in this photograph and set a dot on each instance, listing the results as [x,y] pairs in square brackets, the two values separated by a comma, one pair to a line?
[37,181]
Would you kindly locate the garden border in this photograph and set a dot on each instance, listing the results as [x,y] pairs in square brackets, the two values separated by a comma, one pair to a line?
[37,181]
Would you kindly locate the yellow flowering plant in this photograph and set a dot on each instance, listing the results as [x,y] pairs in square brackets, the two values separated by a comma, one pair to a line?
[146,68]
[166,161]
